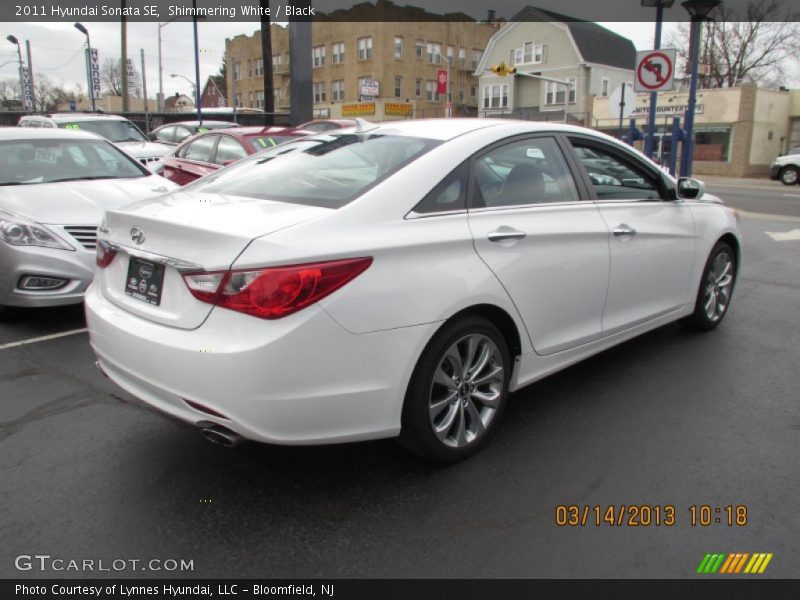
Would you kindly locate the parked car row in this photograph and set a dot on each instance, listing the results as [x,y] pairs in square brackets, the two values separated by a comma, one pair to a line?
[786,167]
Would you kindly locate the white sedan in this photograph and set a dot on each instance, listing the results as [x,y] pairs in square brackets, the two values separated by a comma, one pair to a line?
[54,187]
[399,279]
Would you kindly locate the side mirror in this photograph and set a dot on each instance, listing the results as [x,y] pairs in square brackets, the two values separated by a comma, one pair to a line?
[690,189]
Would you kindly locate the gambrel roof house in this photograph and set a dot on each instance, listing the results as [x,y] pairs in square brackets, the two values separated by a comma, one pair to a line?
[543,43]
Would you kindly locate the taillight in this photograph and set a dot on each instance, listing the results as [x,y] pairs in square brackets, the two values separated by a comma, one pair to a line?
[105,254]
[274,292]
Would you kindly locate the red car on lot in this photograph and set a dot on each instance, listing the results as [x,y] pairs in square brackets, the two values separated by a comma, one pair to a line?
[205,153]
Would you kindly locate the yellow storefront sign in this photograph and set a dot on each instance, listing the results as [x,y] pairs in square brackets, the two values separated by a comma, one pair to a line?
[398,109]
[358,109]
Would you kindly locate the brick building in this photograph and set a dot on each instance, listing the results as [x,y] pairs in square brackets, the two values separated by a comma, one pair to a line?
[402,55]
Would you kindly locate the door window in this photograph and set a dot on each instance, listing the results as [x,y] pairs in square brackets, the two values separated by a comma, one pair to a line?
[530,171]
[229,149]
[614,177]
[201,149]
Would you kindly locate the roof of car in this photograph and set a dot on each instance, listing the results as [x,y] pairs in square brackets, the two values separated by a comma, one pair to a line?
[209,122]
[29,133]
[78,116]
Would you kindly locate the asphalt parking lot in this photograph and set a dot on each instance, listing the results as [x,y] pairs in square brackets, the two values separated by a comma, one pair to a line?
[672,418]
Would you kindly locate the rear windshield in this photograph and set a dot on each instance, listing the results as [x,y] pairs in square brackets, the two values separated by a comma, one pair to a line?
[113,131]
[328,170]
[27,162]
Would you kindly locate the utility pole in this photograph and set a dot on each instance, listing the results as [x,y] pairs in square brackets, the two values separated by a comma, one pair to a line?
[144,82]
[123,67]
[266,57]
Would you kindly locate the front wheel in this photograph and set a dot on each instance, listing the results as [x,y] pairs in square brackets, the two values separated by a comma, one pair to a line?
[457,391]
[716,289]
[790,175]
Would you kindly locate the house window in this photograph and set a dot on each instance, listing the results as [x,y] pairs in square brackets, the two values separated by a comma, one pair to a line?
[398,47]
[430,89]
[527,52]
[451,55]
[319,92]
[260,99]
[434,53]
[249,68]
[473,89]
[538,53]
[260,67]
[554,92]
[462,56]
[276,59]
[398,86]
[419,49]
[318,54]
[476,58]
[604,87]
[364,48]
[495,96]
[337,53]
[250,99]
[337,90]
[238,100]
[418,88]
[237,71]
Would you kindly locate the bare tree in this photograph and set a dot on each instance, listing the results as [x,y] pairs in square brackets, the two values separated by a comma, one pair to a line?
[744,47]
[9,90]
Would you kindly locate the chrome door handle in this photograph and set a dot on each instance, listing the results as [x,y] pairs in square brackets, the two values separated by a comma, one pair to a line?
[623,229]
[506,233]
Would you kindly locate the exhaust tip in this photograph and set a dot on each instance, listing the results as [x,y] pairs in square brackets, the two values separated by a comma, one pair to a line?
[222,436]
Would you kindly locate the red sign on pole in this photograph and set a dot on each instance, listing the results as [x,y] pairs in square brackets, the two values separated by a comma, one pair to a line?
[441,82]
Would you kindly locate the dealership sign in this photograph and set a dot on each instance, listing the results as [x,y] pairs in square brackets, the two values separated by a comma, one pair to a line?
[93,67]
[27,88]
[398,109]
[369,88]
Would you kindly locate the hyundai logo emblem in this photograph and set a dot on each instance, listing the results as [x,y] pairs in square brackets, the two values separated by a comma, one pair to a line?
[137,235]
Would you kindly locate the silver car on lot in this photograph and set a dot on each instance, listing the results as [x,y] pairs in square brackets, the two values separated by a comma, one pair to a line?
[54,189]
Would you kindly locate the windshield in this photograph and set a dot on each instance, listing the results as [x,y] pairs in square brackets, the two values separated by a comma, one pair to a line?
[329,170]
[260,142]
[25,162]
[112,130]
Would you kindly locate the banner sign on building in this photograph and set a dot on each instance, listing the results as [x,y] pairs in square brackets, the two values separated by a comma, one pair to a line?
[27,89]
[133,76]
[358,109]
[665,110]
[398,109]
[93,66]
[441,81]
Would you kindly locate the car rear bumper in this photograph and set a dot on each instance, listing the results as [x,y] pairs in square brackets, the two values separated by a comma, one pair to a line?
[298,380]
[76,267]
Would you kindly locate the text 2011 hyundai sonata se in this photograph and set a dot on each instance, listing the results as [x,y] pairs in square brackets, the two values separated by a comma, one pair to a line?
[399,279]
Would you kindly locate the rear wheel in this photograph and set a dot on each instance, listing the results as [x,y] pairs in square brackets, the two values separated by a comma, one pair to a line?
[790,175]
[716,289]
[457,392]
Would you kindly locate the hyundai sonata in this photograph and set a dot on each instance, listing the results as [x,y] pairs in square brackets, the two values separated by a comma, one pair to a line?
[399,279]
[54,186]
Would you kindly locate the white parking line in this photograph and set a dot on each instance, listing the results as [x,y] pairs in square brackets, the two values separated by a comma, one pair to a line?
[43,338]
[791,195]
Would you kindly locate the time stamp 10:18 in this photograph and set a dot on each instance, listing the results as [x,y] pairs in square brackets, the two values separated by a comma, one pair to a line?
[647,515]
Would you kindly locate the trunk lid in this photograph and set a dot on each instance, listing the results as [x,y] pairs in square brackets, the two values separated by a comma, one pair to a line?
[187,231]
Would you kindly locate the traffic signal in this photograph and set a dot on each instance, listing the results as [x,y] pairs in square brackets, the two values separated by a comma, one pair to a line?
[502,70]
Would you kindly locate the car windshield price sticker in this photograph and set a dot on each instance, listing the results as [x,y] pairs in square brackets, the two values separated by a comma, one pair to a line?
[655,70]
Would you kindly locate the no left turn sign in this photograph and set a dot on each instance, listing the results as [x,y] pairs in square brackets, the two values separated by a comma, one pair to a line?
[655,70]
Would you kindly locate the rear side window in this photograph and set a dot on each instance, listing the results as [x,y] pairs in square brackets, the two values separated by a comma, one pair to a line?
[229,149]
[200,149]
[166,135]
[449,195]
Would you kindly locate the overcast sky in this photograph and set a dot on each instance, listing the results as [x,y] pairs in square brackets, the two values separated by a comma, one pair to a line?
[57,49]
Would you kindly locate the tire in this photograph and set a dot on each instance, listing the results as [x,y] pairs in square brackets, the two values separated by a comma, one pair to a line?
[715,290]
[790,175]
[457,391]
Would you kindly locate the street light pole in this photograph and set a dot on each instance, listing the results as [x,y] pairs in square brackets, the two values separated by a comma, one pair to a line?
[85,31]
[15,41]
[699,11]
[196,65]
[30,74]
